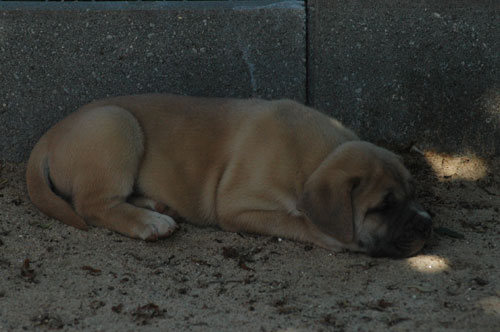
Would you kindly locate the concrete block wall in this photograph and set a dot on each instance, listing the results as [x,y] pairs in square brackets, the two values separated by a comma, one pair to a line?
[56,57]
[409,72]
[397,72]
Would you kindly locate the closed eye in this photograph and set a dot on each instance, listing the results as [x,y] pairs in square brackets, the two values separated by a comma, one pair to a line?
[386,204]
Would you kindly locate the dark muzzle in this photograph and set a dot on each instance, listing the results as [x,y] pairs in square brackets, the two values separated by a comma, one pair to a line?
[409,227]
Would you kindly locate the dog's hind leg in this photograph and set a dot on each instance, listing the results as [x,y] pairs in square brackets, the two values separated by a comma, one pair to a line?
[132,221]
[101,155]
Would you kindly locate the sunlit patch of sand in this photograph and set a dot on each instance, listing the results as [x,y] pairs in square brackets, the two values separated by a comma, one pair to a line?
[428,263]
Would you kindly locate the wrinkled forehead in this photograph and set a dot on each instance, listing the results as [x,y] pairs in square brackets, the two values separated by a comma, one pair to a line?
[380,170]
[398,177]
[386,177]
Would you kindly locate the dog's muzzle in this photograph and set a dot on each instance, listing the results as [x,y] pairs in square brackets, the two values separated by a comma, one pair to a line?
[408,229]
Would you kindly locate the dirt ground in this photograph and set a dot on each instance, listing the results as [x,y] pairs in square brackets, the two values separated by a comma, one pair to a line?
[53,277]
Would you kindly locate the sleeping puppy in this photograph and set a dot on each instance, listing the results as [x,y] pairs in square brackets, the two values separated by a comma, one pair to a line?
[269,167]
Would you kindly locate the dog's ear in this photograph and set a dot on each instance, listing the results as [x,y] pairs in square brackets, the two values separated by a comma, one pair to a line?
[327,202]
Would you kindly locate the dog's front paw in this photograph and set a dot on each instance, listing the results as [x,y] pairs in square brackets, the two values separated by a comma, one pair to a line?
[157,226]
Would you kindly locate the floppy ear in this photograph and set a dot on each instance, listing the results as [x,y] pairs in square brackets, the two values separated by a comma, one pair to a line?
[327,202]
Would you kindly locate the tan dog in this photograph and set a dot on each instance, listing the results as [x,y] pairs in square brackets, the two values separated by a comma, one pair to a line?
[268,167]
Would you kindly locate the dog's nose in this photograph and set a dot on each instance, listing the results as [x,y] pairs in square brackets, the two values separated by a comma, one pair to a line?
[423,225]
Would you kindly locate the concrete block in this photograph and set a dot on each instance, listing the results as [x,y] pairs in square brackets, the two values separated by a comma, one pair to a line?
[409,72]
[56,57]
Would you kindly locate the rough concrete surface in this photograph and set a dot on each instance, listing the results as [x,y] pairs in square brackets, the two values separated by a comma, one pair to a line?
[398,72]
[54,61]
[53,277]
[404,72]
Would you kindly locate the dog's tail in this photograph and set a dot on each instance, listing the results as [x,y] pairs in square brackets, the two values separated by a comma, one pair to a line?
[40,192]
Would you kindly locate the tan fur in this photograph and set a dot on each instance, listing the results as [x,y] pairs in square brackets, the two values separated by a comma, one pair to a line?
[269,167]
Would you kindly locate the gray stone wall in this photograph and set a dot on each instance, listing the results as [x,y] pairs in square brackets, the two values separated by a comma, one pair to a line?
[397,72]
[56,60]
[409,72]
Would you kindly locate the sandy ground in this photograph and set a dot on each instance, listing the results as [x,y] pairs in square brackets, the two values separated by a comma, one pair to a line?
[53,277]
